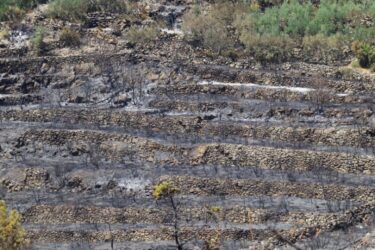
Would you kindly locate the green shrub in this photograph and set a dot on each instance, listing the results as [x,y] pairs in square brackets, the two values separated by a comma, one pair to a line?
[69,38]
[324,31]
[12,13]
[331,17]
[37,41]
[362,33]
[365,53]
[299,18]
[290,18]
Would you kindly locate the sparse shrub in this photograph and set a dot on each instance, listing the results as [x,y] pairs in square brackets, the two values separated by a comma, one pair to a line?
[355,64]
[210,30]
[116,6]
[215,37]
[193,27]
[232,54]
[37,41]
[323,48]
[347,73]
[12,235]
[266,48]
[71,10]
[320,96]
[226,11]
[69,38]
[142,35]
[75,10]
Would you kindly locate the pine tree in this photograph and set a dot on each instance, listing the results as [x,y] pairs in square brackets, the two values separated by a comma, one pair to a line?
[12,234]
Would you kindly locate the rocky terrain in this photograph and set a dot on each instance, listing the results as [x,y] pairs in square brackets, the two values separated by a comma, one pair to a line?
[276,156]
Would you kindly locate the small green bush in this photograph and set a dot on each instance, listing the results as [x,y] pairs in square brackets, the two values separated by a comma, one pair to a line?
[298,18]
[290,18]
[69,38]
[164,189]
[361,33]
[37,41]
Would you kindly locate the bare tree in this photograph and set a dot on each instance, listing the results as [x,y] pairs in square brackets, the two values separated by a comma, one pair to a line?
[165,190]
[320,96]
[133,80]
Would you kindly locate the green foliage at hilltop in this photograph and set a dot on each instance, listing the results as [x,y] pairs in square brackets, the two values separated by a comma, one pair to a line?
[64,9]
[270,29]
[15,9]
[297,19]
[326,27]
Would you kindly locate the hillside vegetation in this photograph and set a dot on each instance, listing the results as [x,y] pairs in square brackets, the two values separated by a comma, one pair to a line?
[325,30]
[271,31]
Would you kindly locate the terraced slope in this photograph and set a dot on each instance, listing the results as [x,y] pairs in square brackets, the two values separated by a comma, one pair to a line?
[279,157]
[255,161]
